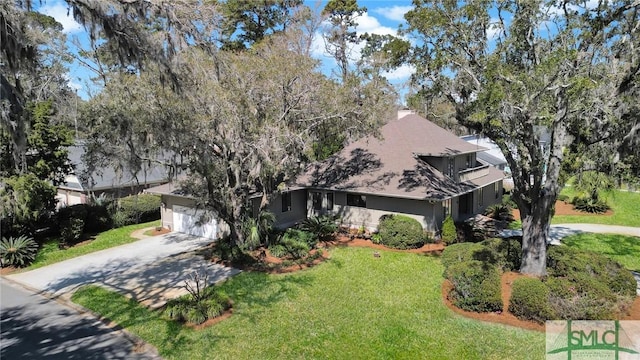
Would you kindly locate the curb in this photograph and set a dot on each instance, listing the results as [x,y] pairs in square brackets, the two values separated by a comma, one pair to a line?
[138,344]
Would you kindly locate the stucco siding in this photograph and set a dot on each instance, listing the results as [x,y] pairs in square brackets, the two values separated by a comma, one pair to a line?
[297,212]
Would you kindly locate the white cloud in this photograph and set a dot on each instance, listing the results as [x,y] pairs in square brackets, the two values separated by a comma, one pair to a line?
[395,13]
[401,73]
[72,84]
[60,12]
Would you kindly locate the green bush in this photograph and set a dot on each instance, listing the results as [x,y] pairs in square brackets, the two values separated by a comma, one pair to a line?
[586,285]
[449,231]
[98,218]
[500,212]
[401,232]
[323,227]
[530,300]
[71,231]
[508,251]
[476,286]
[457,253]
[18,251]
[589,205]
[136,209]
[196,311]
[295,248]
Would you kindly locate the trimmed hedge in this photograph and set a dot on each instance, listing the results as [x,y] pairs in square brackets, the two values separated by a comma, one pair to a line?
[457,253]
[530,300]
[476,286]
[449,231]
[136,209]
[400,232]
[505,254]
[508,252]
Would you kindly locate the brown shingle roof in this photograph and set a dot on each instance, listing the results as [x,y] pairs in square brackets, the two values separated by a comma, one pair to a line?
[389,166]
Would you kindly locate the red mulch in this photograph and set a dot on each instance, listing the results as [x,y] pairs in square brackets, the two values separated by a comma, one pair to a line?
[505,317]
[563,208]
[344,240]
[155,232]
[7,270]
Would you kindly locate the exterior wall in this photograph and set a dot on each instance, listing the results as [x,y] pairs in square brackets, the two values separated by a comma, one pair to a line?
[70,197]
[166,210]
[353,216]
[298,210]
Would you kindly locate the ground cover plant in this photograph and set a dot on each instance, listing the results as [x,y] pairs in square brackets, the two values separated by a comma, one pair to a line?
[353,306]
[50,251]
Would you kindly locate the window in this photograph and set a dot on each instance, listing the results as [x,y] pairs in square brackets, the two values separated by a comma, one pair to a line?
[329,201]
[496,189]
[480,196]
[356,200]
[286,202]
[469,162]
[316,200]
[446,207]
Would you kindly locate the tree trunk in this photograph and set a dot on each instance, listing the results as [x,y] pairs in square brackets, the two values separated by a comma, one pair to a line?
[535,232]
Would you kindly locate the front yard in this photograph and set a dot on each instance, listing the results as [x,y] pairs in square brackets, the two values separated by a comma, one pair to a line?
[354,305]
[621,248]
[624,204]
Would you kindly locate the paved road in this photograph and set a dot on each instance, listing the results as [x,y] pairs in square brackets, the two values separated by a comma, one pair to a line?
[34,327]
[149,270]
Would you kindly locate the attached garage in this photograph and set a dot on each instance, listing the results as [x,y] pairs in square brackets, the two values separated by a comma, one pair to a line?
[191,221]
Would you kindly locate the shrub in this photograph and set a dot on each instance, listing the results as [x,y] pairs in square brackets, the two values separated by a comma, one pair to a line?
[98,218]
[196,311]
[449,232]
[476,286]
[530,300]
[137,209]
[586,285]
[18,251]
[500,212]
[323,227]
[71,231]
[294,247]
[278,250]
[401,232]
[508,252]
[458,253]
[594,206]
[564,198]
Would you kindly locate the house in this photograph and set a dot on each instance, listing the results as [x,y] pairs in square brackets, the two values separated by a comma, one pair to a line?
[80,185]
[492,155]
[413,168]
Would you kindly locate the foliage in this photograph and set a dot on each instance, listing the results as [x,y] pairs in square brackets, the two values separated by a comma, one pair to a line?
[98,218]
[624,205]
[136,209]
[19,251]
[591,184]
[342,15]
[500,212]
[200,304]
[476,286]
[257,230]
[586,285]
[449,231]
[525,86]
[530,300]
[71,231]
[276,315]
[26,202]
[322,227]
[293,243]
[400,232]
[501,253]
[590,205]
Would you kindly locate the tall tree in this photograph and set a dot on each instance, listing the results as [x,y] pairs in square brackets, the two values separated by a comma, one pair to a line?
[555,67]
[341,35]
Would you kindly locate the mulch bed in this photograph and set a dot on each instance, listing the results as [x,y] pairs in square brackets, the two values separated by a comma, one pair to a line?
[154,232]
[563,208]
[505,317]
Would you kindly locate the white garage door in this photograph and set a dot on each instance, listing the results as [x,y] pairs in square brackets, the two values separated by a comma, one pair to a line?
[188,220]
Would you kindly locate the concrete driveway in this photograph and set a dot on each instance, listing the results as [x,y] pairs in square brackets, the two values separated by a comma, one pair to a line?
[151,270]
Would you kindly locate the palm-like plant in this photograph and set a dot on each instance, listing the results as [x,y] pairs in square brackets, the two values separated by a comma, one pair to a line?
[19,251]
[500,212]
[322,227]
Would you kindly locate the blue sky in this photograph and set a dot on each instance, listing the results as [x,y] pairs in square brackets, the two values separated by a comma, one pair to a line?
[382,17]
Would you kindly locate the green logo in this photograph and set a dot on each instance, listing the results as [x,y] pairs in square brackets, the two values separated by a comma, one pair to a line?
[592,339]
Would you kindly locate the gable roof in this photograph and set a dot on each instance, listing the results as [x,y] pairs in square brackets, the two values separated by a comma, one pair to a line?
[390,165]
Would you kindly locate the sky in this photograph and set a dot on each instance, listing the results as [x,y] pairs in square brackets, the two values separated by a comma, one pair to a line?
[382,17]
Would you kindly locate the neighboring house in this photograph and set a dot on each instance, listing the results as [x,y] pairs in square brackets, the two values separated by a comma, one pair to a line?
[80,185]
[492,155]
[414,168]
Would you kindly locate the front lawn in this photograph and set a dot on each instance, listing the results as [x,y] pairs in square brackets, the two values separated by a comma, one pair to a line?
[624,204]
[621,248]
[354,305]
[49,253]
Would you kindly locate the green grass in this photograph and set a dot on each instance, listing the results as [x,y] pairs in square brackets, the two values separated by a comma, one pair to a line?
[623,249]
[625,206]
[49,253]
[354,306]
